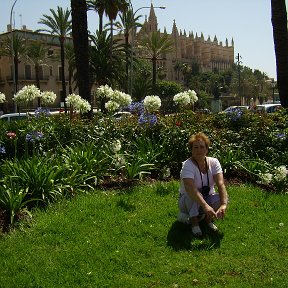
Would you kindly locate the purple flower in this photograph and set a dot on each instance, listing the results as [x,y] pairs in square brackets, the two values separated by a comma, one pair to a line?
[42,112]
[235,114]
[281,136]
[136,108]
[147,119]
[2,150]
[34,136]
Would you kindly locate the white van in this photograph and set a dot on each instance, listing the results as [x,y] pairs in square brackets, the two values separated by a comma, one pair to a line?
[268,108]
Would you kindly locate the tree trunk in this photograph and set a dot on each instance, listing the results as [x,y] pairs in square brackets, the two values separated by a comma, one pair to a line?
[280,33]
[16,74]
[63,94]
[100,22]
[37,82]
[154,64]
[81,47]
[127,61]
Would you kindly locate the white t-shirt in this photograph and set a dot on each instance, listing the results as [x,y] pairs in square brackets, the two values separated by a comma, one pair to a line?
[190,170]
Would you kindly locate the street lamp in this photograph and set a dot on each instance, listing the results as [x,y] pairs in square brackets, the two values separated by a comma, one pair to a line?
[132,43]
[273,84]
[12,52]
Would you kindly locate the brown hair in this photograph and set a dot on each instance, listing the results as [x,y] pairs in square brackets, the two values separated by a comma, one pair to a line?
[196,137]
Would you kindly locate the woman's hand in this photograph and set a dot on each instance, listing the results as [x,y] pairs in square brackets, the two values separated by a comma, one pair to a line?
[221,211]
[210,213]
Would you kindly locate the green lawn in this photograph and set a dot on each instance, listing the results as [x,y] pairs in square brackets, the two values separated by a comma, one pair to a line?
[129,238]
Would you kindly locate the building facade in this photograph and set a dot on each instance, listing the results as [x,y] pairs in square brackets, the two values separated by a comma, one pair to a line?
[188,49]
[50,71]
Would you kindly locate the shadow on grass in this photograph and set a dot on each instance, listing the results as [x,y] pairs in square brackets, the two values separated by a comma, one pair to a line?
[180,237]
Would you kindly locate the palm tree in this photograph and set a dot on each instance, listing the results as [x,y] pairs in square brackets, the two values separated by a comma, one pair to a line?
[37,54]
[127,24]
[280,33]
[59,24]
[177,69]
[113,7]
[156,46]
[99,6]
[110,7]
[70,58]
[19,51]
[81,47]
[104,69]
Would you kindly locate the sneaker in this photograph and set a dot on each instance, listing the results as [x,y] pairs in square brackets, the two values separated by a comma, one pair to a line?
[196,231]
[183,218]
[212,226]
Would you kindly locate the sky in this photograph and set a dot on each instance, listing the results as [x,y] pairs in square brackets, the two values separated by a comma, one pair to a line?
[248,22]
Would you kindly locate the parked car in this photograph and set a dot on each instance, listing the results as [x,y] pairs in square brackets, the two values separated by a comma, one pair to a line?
[268,108]
[24,115]
[121,114]
[14,116]
[231,109]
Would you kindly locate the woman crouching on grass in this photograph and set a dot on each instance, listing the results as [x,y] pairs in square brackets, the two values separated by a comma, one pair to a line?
[198,198]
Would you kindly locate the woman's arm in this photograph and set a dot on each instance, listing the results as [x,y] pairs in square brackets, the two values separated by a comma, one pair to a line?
[195,195]
[219,180]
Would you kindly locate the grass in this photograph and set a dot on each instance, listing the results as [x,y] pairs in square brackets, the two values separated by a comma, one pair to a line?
[129,238]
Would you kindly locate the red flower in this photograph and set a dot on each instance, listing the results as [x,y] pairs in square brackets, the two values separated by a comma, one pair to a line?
[178,123]
[11,135]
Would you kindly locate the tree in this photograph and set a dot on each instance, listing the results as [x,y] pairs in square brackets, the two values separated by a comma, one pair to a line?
[127,24]
[106,70]
[37,54]
[280,33]
[142,79]
[99,6]
[59,24]
[70,58]
[156,46]
[81,47]
[19,51]
[113,7]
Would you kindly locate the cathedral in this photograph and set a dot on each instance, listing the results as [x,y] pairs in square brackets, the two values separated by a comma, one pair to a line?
[187,49]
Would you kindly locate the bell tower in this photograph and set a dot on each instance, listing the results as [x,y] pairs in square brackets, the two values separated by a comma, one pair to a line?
[152,20]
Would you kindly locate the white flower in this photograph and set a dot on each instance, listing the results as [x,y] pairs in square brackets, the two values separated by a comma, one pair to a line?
[185,98]
[121,98]
[2,97]
[78,103]
[182,99]
[47,97]
[119,161]
[152,103]
[193,96]
[116,146]
[166,172]
[111,106]
[104,91]
[266,178]
[26,94]
[280,173]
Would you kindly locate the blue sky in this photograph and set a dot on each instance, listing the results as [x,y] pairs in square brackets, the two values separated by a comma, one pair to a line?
[248,22]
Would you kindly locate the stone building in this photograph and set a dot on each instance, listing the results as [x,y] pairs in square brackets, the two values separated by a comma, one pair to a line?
[187,49]
[50,71]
